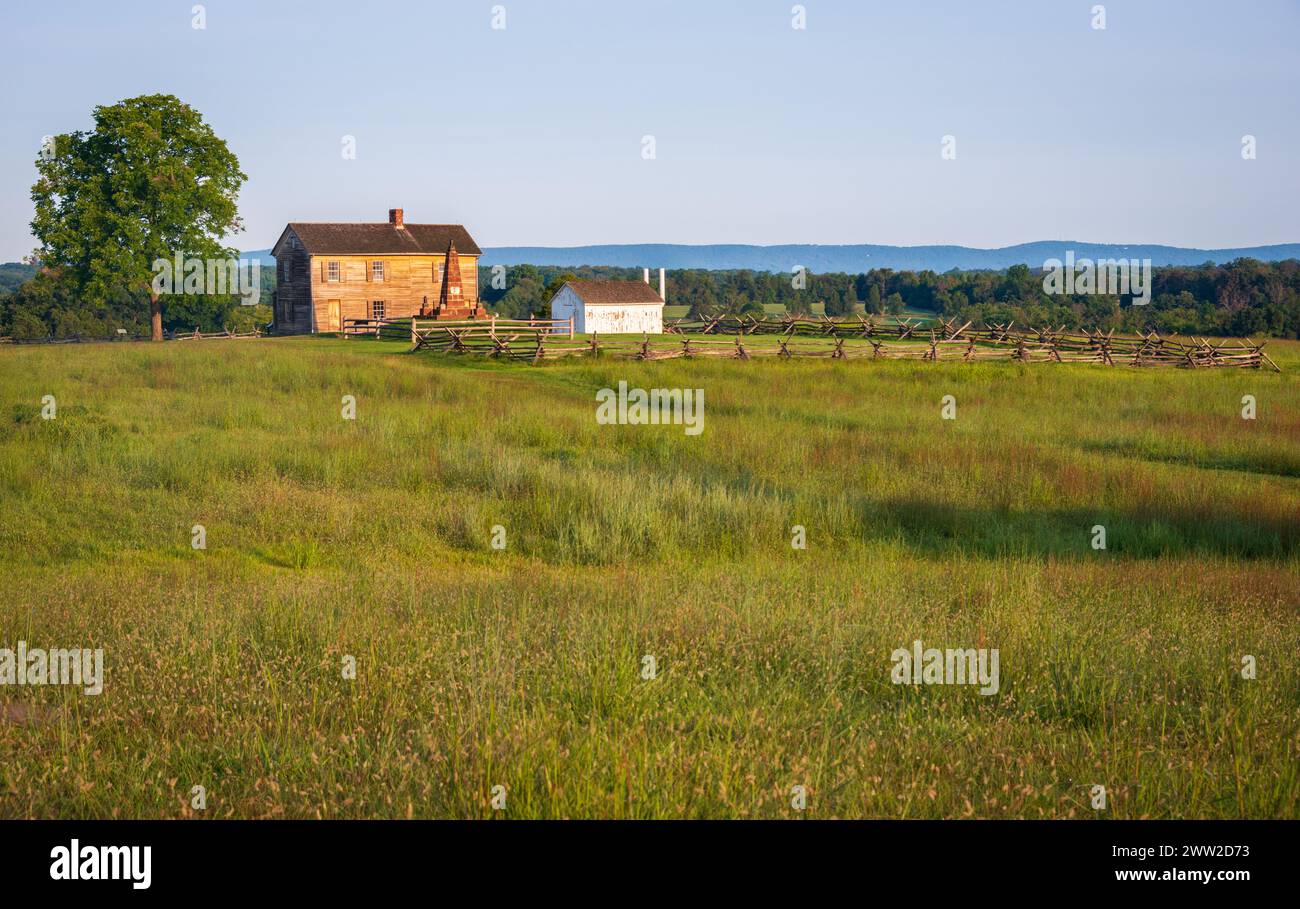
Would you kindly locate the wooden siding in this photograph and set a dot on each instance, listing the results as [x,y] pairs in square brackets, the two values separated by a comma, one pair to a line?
[410,282]
[408,285]
[292,310]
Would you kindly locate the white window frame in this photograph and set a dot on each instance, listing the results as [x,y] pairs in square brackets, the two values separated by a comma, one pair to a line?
[377,309]
[334,272]
[377,272]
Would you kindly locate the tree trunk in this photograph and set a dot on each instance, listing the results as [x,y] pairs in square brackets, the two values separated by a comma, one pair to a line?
[155,317]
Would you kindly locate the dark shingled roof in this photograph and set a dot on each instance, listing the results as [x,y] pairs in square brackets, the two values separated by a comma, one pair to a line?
[614,292]
[384,239]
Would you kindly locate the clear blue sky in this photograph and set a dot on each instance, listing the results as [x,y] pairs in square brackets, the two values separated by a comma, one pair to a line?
[764,134]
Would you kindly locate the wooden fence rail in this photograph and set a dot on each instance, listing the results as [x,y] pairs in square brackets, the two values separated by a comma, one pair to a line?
[197,335]
[122,337]
[734,337]
[519,339]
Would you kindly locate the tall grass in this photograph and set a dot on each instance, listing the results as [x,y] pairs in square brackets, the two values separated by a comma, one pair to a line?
[370,538]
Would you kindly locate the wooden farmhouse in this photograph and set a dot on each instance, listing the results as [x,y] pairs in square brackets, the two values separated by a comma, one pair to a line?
[612,307]
[329,272]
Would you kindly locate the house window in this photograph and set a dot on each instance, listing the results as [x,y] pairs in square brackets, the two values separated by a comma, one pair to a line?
[333,272]
[377,309]
[376,271]
[437,273]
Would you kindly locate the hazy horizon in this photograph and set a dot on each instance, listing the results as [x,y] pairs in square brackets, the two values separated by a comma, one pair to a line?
[764,134]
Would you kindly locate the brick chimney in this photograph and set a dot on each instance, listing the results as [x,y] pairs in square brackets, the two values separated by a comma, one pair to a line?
[395,218]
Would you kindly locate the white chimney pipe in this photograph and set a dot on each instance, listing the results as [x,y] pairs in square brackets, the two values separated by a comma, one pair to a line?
[661,286]
[647,275]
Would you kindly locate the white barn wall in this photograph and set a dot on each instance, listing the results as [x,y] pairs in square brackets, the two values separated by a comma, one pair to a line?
[607,319]
[624,319]
[565,304]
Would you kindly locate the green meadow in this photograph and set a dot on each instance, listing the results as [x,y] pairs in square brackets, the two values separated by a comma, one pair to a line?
[368,542]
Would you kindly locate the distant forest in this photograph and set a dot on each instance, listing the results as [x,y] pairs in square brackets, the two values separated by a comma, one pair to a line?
[1244,297]
[36,304]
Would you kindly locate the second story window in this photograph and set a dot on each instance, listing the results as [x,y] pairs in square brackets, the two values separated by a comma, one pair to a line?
[333,272]
[376,271]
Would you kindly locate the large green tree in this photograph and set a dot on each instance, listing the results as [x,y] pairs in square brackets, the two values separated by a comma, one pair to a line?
[150,181]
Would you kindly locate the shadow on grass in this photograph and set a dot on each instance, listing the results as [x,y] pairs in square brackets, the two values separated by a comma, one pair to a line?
[939,528]
[1266,463]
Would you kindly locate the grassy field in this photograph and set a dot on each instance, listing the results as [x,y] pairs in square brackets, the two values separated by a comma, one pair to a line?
[370,538]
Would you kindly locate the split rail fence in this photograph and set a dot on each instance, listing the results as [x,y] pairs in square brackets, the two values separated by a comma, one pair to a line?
[739,337]
[122,337]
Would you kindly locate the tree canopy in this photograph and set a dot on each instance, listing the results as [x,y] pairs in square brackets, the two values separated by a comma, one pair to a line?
[1242,297]
[150,181]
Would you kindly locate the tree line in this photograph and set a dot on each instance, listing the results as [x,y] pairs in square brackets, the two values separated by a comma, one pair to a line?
[1243,297]
[51,304]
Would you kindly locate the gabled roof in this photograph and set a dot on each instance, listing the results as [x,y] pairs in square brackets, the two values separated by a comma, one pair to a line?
[613,293]
[344,239]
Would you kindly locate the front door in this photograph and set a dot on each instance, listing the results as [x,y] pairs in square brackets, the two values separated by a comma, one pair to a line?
[334,323]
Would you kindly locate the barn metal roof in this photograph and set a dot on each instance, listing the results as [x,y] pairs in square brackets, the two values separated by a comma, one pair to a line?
[613,293]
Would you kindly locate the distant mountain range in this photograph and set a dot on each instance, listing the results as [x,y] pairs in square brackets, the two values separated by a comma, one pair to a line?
[850,259]
[13,274]
[863,257]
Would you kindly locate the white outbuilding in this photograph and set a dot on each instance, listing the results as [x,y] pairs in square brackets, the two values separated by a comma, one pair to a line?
[611,307]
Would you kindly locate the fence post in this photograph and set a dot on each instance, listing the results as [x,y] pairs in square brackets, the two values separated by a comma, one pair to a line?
[570,326]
